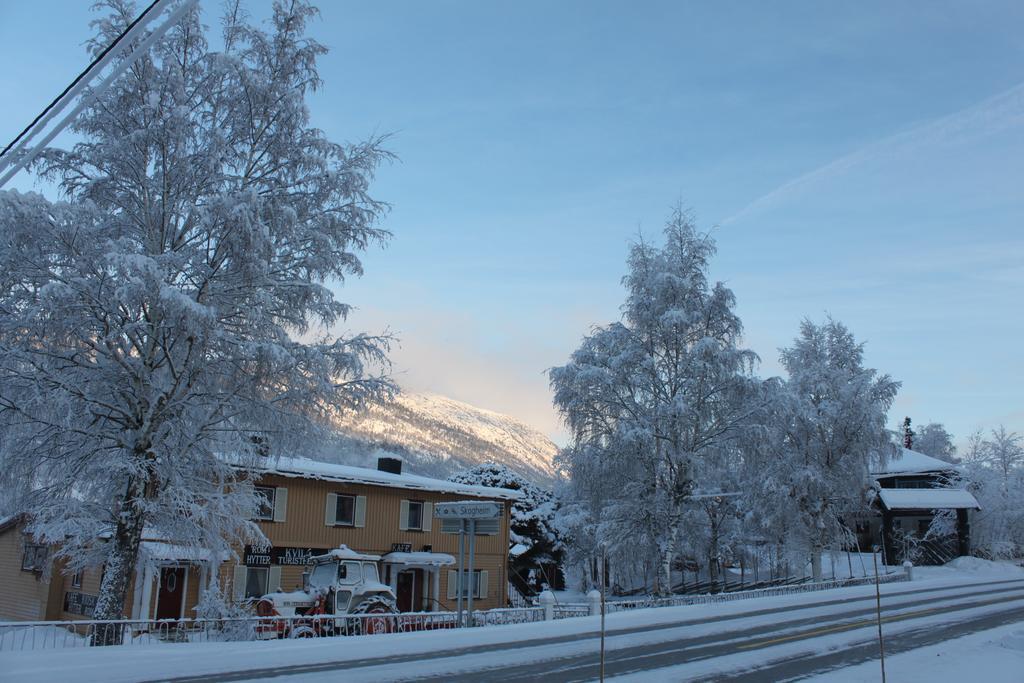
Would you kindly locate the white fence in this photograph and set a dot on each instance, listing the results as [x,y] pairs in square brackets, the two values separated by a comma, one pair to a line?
[36,635]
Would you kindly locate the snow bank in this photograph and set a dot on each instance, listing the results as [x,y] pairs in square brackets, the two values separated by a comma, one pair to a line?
[39,638]
[995,656]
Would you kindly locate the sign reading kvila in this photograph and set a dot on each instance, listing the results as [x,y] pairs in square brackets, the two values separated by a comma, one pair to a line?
[266,555]
[467,509]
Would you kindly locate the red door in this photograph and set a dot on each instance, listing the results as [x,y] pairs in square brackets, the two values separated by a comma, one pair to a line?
[171,594]
[409,595]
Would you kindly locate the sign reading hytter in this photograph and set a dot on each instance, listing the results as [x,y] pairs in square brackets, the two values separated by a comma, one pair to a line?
[467,509]
[266,555]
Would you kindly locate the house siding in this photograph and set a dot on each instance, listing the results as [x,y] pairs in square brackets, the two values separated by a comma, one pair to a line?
[26,594]
[32,596]
[304,527]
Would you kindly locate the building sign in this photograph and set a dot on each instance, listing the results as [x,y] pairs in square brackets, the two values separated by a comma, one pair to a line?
[468,509]
[79,603]
[401,547]
[267,555]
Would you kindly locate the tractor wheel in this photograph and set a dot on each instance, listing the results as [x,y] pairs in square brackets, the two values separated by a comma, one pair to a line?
[380,619]
[303,631]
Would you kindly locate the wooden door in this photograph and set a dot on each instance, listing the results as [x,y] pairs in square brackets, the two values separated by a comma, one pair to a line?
[410,590]
[171,595]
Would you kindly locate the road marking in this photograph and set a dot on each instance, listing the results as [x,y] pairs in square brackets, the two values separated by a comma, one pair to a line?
[845,627]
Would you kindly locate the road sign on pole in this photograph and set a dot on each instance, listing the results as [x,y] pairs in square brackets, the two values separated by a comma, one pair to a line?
[472,517]
[468,509]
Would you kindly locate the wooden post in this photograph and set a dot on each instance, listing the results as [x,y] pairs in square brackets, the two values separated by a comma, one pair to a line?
[963,533]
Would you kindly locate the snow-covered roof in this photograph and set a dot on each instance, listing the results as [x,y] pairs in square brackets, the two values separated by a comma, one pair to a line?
[518,549]
[314,469]
[928,499]
[420,558]
[156,550]
[912,462]
[343,552]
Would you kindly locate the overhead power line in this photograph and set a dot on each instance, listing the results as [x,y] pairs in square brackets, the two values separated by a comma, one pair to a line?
[99,58]
[13,165]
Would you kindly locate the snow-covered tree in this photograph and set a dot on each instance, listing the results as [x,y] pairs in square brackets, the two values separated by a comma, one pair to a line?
[151,321]
[908,434]
[533,528]
[1004,451]
[934,440]
[827,427]
[648,397]
[994,472]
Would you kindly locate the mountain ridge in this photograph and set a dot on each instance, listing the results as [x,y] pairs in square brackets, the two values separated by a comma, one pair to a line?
[440,436]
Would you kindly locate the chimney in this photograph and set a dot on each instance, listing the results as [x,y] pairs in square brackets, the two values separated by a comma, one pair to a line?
[387,464]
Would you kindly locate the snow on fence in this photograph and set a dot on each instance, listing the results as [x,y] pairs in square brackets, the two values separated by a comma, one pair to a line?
[509,615]
[680,600]
[39,635]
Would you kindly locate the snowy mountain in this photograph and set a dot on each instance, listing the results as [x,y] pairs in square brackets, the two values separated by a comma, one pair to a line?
[438,436]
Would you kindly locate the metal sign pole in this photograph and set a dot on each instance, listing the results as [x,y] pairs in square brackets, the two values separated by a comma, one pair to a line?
[458,581]
[472,583]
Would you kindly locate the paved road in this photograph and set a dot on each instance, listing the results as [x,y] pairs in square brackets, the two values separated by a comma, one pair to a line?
[956,609]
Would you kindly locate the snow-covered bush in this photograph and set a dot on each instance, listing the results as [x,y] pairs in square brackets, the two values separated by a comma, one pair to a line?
[533,535]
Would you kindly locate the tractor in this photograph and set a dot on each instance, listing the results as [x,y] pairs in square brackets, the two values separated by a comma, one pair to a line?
[337,586]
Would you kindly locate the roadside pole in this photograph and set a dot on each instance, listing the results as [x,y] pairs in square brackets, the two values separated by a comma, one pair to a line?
[458,581]
[472,587]
[878,612]
[604,580]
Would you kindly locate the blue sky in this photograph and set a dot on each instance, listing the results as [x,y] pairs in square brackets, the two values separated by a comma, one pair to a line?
[859,159]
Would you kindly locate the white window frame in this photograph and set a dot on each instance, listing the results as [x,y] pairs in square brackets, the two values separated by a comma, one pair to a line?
[265,513]
[478,575]
[76,578]
[250,571]
[337,508]
[422,507]
[33,557]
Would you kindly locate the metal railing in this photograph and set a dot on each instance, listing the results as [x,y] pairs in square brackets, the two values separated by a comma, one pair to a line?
[508,615]
[37,635]
[40,635]
[712,598]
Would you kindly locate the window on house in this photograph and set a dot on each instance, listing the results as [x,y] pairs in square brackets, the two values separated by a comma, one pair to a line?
[76,579]
[415,521]
[475,584]
[266,494]
[345,511]
[256,581]
[34,558]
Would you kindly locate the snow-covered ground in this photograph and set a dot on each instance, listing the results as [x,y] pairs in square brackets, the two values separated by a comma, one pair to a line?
[995,656]
[504,644]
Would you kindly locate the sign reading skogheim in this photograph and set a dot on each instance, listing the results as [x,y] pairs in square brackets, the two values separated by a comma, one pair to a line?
[468,509]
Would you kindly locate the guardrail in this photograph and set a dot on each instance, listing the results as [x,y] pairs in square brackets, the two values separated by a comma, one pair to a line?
[41,635]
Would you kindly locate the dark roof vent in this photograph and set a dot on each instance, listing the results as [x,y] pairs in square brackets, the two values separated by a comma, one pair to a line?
[392,465]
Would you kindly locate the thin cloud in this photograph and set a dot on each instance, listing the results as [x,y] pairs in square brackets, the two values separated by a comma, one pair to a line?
[998,113]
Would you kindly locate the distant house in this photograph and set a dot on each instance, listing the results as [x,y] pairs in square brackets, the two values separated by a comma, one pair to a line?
[913,487]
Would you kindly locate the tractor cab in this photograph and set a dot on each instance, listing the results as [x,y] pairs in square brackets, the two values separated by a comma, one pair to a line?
[348,579]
